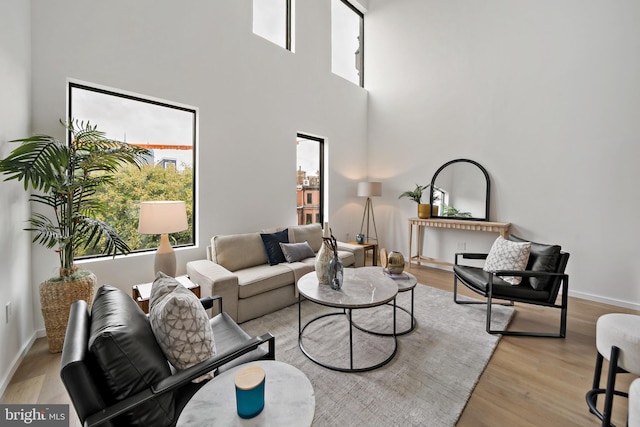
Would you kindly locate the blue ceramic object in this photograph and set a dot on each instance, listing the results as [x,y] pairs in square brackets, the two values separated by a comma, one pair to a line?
[250,391]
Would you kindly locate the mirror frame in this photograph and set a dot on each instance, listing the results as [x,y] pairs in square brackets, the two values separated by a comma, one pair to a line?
[488,192]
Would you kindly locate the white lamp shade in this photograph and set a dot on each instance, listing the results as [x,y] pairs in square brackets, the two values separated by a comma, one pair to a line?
[162,217]
[369,189]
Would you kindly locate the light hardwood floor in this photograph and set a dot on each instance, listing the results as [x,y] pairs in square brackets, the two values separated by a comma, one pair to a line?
[528,382]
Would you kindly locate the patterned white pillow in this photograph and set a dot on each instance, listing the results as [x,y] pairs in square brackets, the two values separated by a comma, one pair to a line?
[180,324]
[508,255]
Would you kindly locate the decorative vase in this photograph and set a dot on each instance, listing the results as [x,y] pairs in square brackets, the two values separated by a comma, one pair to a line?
[56,296]
[434,210]
[336,272]
[424,210]
[323,257]
[395,262]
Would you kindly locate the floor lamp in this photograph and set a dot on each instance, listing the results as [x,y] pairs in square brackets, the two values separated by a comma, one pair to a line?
[369,190]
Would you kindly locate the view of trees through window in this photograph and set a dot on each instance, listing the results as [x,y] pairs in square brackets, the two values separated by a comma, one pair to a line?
[309,185]
[168,131]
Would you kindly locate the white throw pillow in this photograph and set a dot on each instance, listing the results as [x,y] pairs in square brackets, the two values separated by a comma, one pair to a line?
[180,324]
[508,255]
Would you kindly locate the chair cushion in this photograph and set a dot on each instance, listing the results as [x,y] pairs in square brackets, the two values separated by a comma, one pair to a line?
[297,251]
[272,242]
[541,258]
[124,347]
[180,324]
[508,255]
[478,279]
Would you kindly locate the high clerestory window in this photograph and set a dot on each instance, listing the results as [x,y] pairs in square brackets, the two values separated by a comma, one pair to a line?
[273,20]
[347,41]
[165,128]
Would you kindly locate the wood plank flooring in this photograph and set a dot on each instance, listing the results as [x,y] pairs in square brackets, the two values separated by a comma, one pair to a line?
[528,382]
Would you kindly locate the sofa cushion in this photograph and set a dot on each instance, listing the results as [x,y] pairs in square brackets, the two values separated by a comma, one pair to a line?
[310,233]
[237,251]
[296,251]
[508,255]
[542,258]
[180,324]
[348,258]
[124,347]
[272,242]
[263,278]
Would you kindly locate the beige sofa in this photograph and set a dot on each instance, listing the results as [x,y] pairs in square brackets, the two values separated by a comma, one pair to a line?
[238,269]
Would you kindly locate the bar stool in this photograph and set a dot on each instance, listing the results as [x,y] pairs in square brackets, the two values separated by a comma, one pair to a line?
[634,403]
[618,341]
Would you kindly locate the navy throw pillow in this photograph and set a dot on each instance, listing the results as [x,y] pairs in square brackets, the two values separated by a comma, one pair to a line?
[272,245]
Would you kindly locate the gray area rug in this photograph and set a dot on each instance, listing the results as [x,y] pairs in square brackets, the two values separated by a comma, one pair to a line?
[427,383]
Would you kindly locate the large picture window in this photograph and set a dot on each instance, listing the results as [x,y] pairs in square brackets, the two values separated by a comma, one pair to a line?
[168,131]
[310,179]
[347,41]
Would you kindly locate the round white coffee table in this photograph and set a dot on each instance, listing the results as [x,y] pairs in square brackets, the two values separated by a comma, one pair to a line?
[289,399]
[362,287]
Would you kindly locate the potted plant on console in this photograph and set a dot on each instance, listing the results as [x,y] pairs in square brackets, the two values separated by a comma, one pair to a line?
[65,177]
[424,209]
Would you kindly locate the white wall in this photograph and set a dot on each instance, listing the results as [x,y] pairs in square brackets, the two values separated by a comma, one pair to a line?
[544,94]
[252,95]
[16,287]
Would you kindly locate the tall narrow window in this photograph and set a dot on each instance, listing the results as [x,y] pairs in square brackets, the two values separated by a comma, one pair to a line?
[310,182]
[347,41]
[169,131]
[273,20]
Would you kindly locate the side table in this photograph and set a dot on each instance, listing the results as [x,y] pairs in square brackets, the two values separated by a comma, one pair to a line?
[406,283]
[289,399]
[368,246]
[142,292]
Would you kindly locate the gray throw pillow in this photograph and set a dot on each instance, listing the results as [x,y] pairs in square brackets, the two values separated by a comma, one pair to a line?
[297,251]
[180,324]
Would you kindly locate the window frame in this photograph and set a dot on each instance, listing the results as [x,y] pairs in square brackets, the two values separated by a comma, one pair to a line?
[321,153]
[288,31]
[361,38]
[71,84]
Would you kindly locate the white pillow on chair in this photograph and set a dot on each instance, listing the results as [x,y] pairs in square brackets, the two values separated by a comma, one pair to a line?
[508,255]
[180,324]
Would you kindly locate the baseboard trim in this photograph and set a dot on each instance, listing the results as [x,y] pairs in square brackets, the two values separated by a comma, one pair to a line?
[605,300]
[16,363]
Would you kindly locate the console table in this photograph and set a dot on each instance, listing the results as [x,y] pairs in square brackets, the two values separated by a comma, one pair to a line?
[456,224]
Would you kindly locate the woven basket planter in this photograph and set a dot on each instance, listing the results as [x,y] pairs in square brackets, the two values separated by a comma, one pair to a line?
[56,296]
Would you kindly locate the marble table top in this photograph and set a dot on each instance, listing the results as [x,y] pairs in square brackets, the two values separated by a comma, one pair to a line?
[405,283]
[362,287]
[289,399]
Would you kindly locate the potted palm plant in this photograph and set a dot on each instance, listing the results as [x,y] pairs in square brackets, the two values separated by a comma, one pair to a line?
[424,209]
[64,177]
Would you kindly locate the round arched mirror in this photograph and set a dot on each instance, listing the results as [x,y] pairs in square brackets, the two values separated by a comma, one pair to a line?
[460,190]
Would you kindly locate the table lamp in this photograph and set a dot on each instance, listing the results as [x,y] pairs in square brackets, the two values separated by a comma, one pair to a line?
[163,217]
[369,189]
